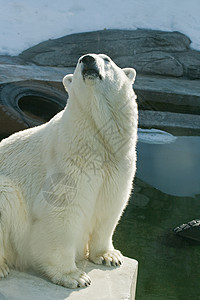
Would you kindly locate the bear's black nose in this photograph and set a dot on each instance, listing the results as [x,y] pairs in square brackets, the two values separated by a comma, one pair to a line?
[89,68]
[88,60]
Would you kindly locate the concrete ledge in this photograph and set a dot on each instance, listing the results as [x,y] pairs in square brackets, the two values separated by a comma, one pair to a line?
[164,102]
[168,94]
[107,283]
[10,73]
[166,120]
[174,92]
[168,85]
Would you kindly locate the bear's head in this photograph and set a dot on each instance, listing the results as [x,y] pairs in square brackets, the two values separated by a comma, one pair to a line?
[97,76]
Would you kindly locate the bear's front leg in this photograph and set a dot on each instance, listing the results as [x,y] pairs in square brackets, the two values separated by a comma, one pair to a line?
[101,249]
[110,205]
[53,253]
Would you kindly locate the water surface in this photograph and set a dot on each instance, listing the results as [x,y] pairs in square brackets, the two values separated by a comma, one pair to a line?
[166,194]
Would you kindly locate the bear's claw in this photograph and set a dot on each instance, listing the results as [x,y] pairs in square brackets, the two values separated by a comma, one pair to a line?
[76,279]
[111,258]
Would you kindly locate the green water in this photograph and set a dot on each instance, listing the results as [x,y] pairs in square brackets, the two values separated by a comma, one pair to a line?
[169,266]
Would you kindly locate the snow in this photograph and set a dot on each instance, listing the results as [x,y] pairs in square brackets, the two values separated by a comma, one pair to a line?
[155,136]
[25,23]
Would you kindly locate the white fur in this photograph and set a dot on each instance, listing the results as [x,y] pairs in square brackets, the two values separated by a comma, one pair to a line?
[92,143]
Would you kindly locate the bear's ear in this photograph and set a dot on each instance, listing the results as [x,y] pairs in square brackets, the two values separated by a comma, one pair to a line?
[67,80]
[130,73]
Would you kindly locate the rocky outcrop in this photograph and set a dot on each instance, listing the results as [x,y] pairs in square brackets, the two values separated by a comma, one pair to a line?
[149,51]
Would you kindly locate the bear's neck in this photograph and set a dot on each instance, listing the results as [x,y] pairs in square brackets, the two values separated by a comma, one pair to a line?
[109,125]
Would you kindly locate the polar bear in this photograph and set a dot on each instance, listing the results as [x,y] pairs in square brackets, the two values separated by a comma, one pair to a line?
[65,184]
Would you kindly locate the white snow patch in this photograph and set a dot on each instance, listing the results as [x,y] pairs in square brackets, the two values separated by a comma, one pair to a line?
[24,23]
[155,136]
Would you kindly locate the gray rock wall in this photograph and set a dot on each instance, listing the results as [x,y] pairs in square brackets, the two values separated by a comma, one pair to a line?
[148,51]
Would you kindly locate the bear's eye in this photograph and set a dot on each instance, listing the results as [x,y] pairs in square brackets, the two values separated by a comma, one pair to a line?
[106,59]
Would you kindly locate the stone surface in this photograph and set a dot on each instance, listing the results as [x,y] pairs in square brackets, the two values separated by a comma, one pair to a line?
[168,94]
[153,62]
[10,73]
[177,123]
[155,93]
[107,283]
[187,59]
[12,60]
[149,51]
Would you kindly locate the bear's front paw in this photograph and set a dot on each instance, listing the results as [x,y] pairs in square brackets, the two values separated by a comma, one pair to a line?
[72,280]
[112,258]
[4,270]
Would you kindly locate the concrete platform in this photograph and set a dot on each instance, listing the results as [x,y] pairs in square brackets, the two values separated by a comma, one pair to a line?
[107,284]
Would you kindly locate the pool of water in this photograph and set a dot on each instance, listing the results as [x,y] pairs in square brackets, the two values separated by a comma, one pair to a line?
[166,194]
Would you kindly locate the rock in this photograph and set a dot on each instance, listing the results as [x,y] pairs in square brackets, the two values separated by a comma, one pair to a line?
[154,92]
[175,122]
[149,51]
[168,94]
[193,72]
[12,60]
[154,62]
[10,73]
[190,60]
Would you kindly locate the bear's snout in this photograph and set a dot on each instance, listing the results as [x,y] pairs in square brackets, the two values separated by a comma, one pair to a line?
[90,69]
